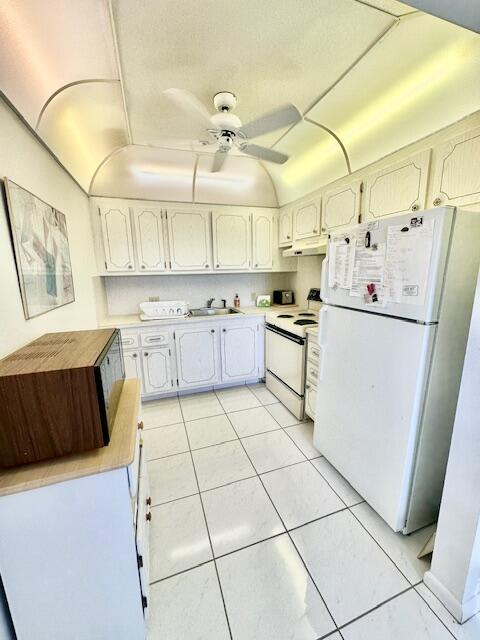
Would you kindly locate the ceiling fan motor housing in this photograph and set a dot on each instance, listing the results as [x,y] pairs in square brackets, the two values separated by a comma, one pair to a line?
[225,101]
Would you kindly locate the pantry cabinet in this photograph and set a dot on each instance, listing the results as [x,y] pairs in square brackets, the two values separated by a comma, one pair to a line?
[399,188]
[148,224]
[306,220]
[198,355]
[189,240]
[157,371]
[262,240]
[456,179]
[341,207]
[239,351]
[231,240]
[117,238]
[285,228]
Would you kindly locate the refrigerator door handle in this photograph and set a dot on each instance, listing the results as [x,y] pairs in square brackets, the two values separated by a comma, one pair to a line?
[324,280]
[322,318]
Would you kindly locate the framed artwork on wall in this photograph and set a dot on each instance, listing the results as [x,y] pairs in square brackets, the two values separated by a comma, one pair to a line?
[42,252]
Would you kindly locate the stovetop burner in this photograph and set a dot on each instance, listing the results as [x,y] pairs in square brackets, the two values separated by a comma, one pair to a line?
[305,313]
[304,322]
[285,315]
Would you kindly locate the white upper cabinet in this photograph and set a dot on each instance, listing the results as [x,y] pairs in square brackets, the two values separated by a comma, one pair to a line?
[198,355]
[239,351]
[262,240]
[231,240]
[157,373]
[148,226]
[456,179]
[341,207]
[189,240]
[399,188]
[285,228]
[117,238]
[306,220]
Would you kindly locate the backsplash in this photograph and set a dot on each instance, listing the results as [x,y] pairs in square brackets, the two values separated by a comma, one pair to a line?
[125,293]
[309,270]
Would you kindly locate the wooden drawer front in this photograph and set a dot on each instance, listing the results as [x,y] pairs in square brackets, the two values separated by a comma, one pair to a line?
[158,338]
[312,373]
[143,533]
[129,340]
[310,400]
[133,468]
[313,351]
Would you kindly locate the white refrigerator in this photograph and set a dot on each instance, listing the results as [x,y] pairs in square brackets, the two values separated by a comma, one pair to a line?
[398,294]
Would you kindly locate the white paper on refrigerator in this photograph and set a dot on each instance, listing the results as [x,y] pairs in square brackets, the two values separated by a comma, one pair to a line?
[341,257]
[407,264]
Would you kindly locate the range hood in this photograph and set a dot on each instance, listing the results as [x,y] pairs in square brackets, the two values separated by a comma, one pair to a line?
[308,247]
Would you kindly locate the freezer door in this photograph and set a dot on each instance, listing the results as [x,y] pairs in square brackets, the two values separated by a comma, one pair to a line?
[369,400]
[406,258]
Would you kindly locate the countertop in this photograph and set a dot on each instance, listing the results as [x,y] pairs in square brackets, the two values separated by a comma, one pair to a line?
[133,320]
[119,453]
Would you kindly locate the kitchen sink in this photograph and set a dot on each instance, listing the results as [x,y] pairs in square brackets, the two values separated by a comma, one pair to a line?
[211,311]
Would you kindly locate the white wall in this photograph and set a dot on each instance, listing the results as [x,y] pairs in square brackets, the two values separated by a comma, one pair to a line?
[309,270]
[125,293]
[26,162]
[455,573]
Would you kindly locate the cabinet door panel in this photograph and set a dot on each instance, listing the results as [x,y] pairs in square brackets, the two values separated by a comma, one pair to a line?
[198,362]
[262,239]
[133,367]
[149,239]
[117,238]
[457,177]
[157,370]
[307,220]
[399,188]
[341,207]
[239,352]
[231,240]
[310,400]
[285,233]
[189,240]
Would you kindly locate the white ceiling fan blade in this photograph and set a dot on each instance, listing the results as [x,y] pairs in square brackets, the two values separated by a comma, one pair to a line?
[218,161]
[264,154]
[277,119]
[190,104]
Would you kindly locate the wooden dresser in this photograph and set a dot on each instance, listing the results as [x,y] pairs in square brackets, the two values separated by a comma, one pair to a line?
[74,539]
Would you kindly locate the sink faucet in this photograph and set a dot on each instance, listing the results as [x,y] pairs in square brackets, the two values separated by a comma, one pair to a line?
[209,302]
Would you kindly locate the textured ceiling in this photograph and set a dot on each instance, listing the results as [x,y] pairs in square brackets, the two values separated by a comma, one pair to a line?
[369,76]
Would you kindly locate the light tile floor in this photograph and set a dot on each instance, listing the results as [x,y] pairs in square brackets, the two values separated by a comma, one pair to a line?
[255,536]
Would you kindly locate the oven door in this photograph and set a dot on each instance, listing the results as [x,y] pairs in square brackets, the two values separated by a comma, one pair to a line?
[285,358]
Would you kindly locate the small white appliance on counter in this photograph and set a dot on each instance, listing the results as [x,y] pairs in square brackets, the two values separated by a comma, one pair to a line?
[398,295]
[163,310]
[286,352]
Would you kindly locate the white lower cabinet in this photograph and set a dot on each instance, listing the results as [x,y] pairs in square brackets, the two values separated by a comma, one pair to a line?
[198,355]
[157,370]
[133,366]
[239,351]
[310,400]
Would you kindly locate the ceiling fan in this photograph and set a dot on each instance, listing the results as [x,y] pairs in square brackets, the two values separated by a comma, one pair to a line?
[226,130]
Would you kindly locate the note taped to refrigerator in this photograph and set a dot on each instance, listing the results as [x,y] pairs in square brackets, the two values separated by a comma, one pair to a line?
[341,256]
[369,270]
[409,249]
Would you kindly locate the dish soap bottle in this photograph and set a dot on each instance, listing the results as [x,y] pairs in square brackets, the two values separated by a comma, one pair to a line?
[236,301]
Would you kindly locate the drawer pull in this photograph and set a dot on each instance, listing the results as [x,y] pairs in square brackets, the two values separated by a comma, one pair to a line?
[148,516]
[140,425]
[315,353]
[148,501]
[155,339]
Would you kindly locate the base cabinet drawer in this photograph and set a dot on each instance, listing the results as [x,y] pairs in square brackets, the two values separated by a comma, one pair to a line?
[310,400]
[312,373]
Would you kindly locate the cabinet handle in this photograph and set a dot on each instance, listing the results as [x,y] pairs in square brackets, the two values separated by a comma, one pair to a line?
[223,330]
[130,266]
[288,237]
[307,386]
[148,516]
[315,231]
[145,353]
[207,266]
[256,264]
[143,266]
[155,339]
[415,207]
[324,229]
[140,425]
[148,501]
[437,201]
[134,355]
[217,266]
[212,330]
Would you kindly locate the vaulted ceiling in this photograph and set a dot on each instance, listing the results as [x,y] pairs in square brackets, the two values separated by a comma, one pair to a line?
[369,77]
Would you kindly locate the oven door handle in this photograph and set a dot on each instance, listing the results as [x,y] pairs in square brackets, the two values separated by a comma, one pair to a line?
[285,334]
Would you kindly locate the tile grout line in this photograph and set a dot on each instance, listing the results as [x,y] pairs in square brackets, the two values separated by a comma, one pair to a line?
[291,540]
[208,532]
[432,610]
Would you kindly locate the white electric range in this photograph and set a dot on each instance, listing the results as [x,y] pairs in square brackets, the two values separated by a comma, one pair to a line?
[286,352]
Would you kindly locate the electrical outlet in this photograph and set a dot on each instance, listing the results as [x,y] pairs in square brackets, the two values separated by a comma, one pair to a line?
[153,298]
